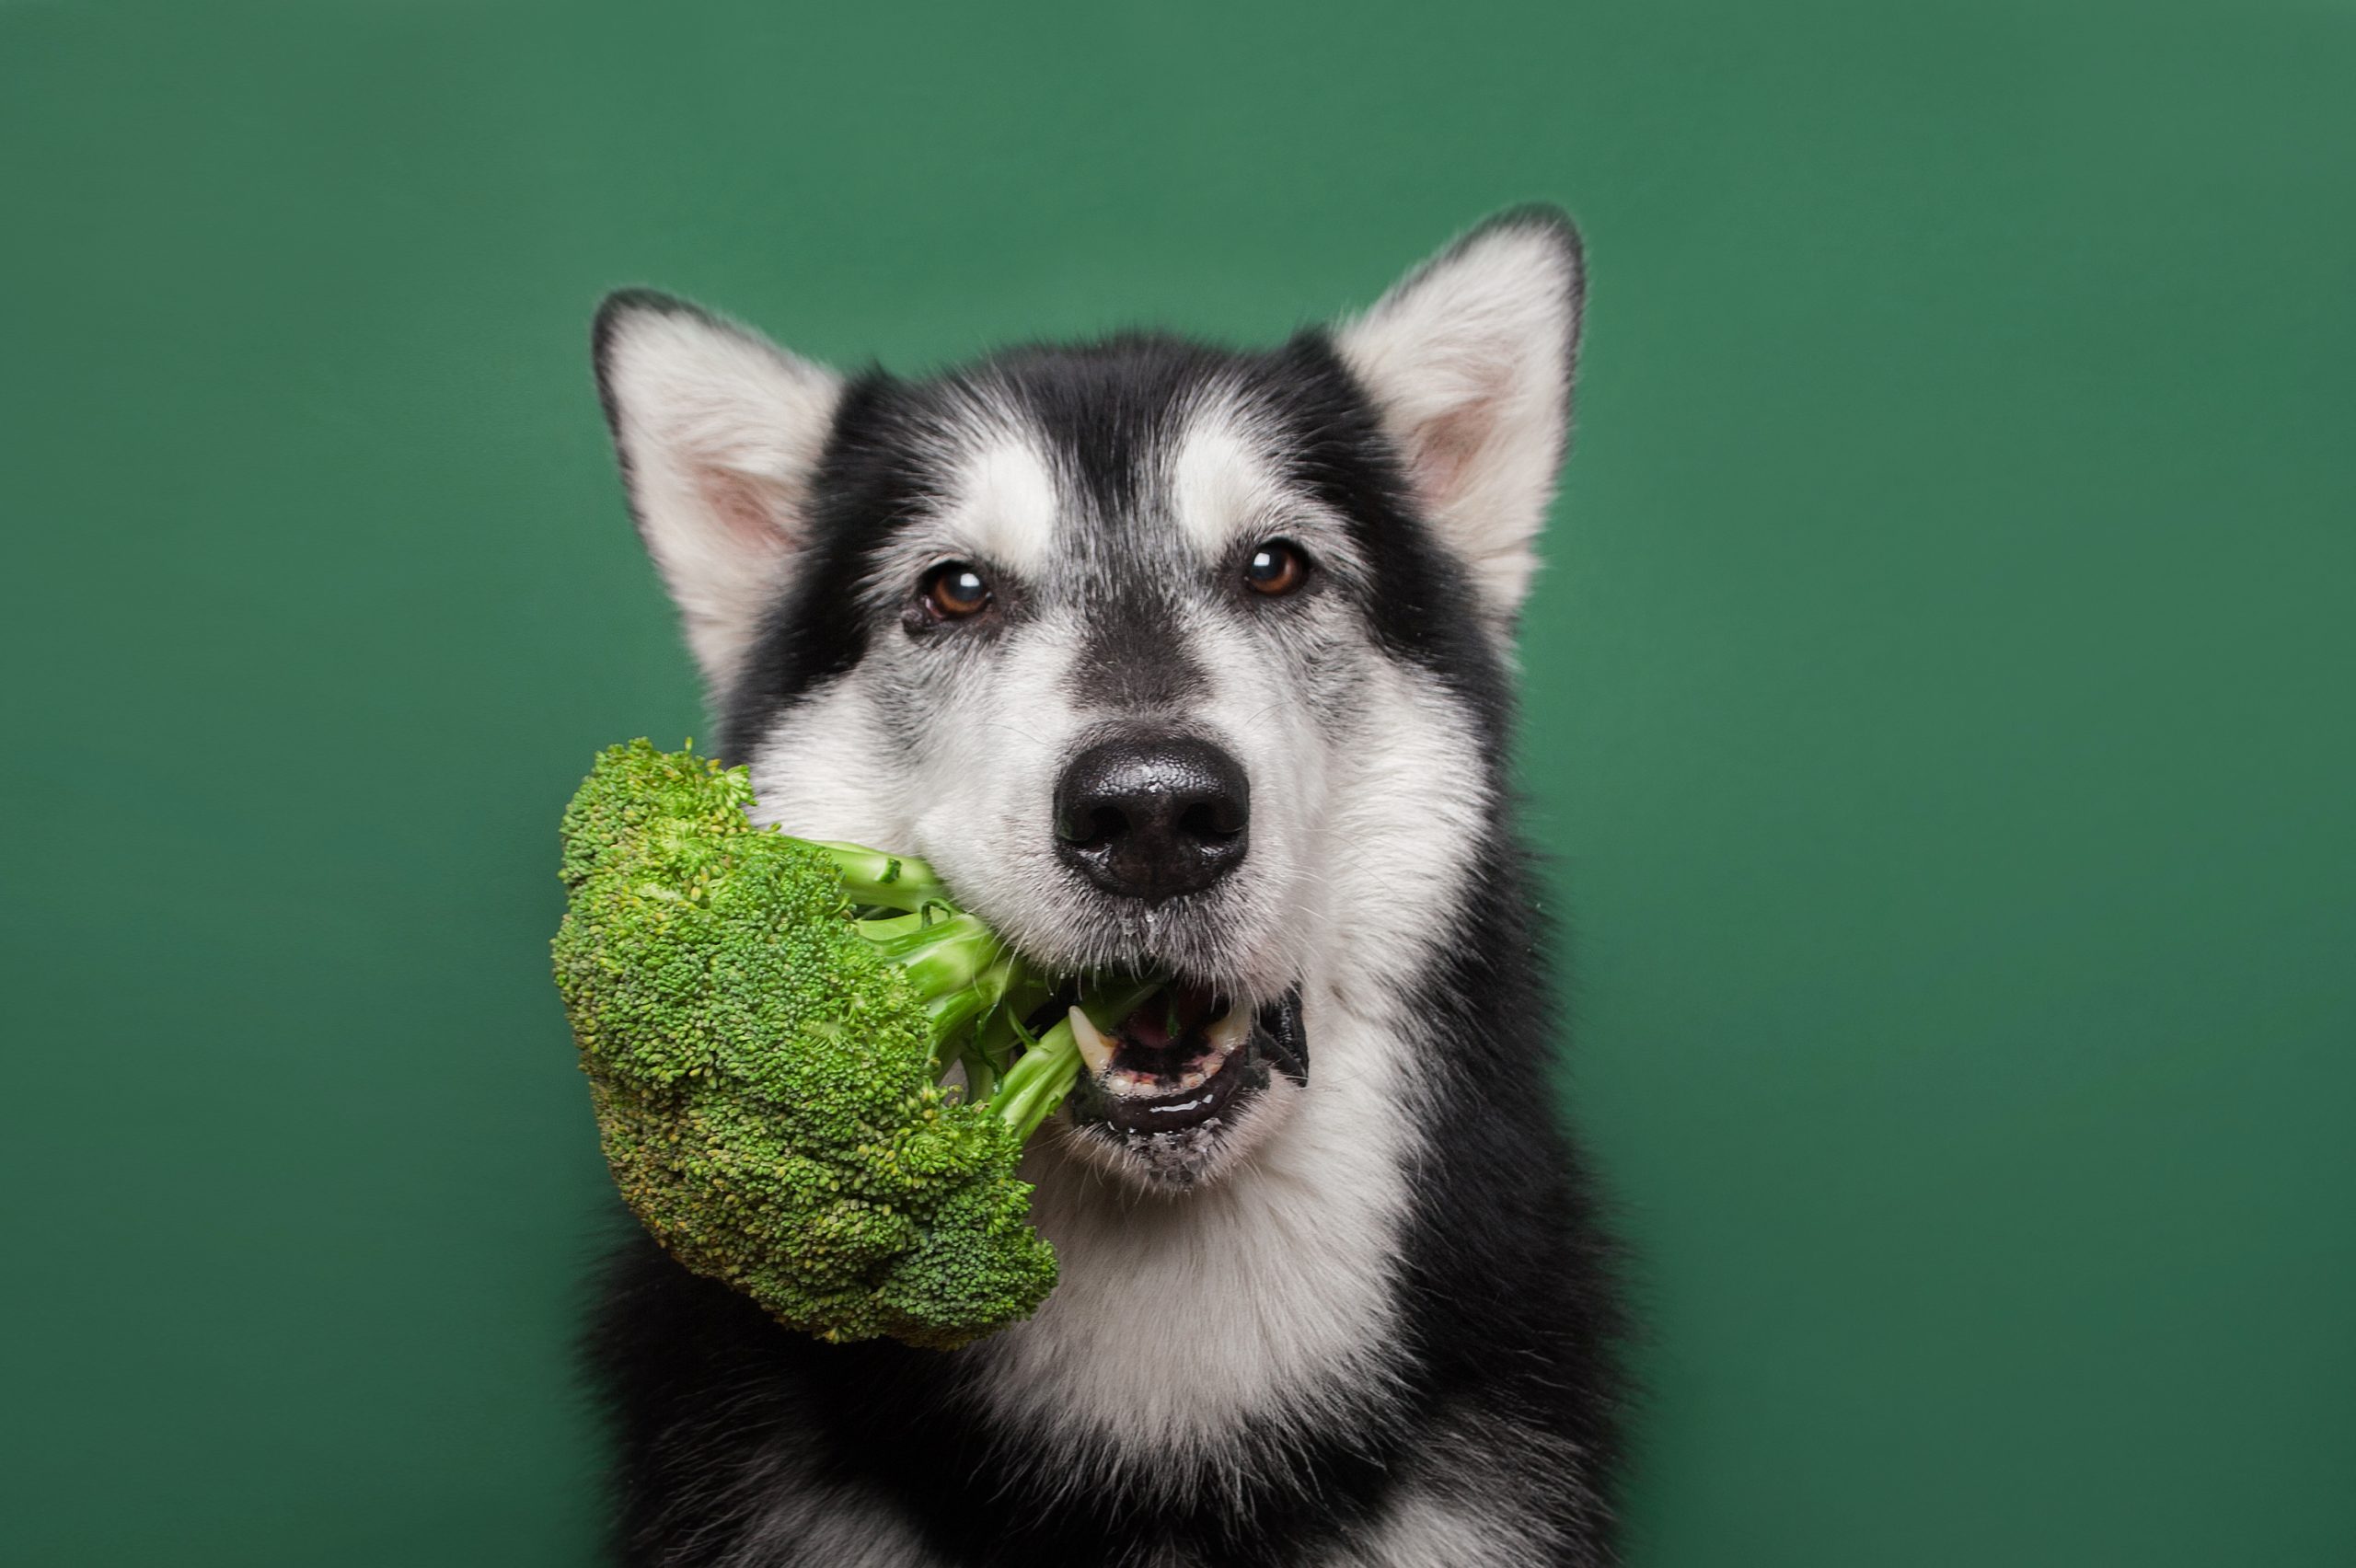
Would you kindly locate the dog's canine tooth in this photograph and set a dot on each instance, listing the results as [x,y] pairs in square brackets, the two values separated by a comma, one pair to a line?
[1094,1049]
[1233,1028]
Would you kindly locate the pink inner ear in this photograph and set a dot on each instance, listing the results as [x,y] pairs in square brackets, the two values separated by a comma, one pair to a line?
[1446,448]
[757,512]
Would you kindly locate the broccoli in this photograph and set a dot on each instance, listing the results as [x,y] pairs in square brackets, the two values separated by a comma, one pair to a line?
[766,1023]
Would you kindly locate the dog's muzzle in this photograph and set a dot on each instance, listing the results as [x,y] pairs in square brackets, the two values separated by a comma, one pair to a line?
[1186,1063]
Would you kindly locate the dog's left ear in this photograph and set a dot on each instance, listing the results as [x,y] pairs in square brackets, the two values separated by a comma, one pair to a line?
[1470,360]
[721,433]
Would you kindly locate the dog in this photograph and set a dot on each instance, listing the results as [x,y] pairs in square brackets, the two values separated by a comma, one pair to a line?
[1178,659]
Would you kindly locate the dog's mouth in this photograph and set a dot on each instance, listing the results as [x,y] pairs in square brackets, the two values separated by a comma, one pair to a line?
[1178,1075]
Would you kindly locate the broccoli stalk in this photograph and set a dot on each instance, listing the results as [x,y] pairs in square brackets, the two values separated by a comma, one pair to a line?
[966,974]
[772,1029]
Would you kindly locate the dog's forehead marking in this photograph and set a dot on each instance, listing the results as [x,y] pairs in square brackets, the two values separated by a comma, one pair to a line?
[1222,483]
[1003,497]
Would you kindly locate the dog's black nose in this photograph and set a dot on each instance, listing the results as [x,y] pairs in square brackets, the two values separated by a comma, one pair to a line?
[1153,815]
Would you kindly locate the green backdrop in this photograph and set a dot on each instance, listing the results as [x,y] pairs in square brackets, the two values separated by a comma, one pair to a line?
[1939,702]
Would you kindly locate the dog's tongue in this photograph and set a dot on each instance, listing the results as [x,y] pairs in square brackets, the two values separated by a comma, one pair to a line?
[1169,1017]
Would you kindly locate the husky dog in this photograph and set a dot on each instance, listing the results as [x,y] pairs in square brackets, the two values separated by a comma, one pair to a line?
[1180,659]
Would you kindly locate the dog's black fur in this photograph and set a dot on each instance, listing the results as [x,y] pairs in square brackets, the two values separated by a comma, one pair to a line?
[1507,1282]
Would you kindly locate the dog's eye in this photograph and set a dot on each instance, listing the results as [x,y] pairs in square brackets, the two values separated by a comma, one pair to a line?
[1275,569]
[954,590]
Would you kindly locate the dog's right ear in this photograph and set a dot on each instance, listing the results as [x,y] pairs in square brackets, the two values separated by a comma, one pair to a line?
[1469,363]
[719,434]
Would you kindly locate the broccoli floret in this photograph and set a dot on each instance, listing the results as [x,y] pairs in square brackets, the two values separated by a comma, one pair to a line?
[766,1023]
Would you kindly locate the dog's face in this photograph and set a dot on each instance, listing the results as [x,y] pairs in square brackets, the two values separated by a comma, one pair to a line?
[1170,659]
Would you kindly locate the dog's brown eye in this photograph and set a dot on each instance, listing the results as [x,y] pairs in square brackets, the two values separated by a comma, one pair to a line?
[1275,569]
[954,590]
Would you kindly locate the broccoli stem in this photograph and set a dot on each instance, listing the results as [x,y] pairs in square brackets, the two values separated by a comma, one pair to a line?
[887,882]
[948,954]
[981,1077]
[963,972]
[957,966]
[1033,1088]
[996,1035]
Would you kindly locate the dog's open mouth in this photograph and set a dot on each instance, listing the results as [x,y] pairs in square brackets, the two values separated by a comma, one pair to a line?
[1183,1067]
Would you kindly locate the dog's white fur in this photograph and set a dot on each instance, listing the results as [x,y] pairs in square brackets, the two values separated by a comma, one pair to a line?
[1280,1261]
[1470,360]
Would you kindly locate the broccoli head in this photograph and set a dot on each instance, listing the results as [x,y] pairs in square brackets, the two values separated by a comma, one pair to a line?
[766,1023]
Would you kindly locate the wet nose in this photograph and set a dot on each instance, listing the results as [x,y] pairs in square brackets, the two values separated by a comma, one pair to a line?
[1152,816]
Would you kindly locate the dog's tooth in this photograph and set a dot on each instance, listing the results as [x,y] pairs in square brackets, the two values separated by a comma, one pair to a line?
[1233,1028]
[1094,1049]
[1205,1068]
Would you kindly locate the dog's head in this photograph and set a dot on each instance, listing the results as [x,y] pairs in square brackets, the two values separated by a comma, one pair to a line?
[1172,658]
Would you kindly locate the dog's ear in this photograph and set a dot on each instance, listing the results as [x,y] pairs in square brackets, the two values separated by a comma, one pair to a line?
[719,434]
[1469,359]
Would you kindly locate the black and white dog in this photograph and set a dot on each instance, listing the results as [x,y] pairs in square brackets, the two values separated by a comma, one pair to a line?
[1171,658]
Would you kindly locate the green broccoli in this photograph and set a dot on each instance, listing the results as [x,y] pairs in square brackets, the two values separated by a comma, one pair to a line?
[766,1023]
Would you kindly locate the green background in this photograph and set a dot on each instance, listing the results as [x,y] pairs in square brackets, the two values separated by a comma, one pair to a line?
[1939,702]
